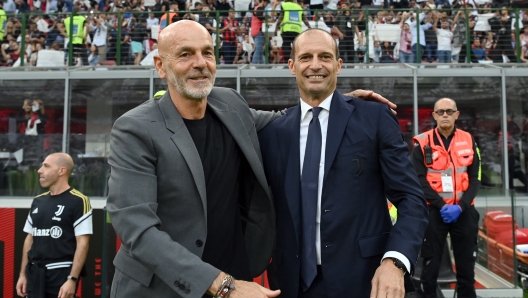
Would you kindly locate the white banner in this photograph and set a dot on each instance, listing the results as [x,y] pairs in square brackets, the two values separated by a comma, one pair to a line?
[50,58]
[154,30]
[387,32]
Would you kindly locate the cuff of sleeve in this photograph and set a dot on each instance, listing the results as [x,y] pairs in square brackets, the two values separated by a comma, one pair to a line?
[399,256]
[439,204]
[463,205]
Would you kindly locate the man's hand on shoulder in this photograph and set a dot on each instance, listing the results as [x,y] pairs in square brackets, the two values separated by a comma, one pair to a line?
[372,96]
[388,281]
[68,289]
[244,289]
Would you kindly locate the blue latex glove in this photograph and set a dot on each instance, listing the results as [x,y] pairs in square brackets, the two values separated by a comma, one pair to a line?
[450,213]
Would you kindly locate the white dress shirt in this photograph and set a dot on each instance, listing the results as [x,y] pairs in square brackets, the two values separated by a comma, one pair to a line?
[306,117]
[100,33]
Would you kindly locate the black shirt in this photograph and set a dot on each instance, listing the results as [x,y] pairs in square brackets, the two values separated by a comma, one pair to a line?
[221,158]
[224,8]
[55,221]
[421,170]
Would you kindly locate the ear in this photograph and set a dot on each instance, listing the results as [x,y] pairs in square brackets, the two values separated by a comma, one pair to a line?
[291,65]
[158,62]
[339,64]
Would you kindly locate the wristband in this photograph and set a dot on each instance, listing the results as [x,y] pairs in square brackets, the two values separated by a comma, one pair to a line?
[75,279]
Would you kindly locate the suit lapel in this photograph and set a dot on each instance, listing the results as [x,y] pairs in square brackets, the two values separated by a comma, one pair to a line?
[230,118]
[183,140]
[289,138]
[340,112]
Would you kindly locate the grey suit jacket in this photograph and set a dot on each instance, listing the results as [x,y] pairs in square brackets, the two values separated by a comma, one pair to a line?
[157,197]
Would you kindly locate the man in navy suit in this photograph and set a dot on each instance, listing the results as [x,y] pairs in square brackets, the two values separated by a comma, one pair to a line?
[332,162]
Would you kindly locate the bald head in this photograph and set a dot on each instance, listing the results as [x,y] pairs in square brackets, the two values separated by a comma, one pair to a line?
[445,100]
[186,60]
[63,160]
[172,34]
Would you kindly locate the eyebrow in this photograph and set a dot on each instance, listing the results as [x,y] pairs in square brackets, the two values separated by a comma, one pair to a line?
[190,49]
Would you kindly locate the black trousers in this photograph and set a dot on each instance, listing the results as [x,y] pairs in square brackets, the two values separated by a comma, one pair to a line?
[464,240]
[45,283]
[287,41]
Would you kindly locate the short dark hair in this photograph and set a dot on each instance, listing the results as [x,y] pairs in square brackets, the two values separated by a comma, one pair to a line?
[292,55]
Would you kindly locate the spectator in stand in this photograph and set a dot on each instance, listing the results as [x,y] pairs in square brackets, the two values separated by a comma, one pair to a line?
[207,20]
[413,5]
[276,54]
[22,6]
[431,41]
[503,33]
[414,28]
[137,35]
[78,42]
[444,37]
[172,15]
[9,6]
[3,21]
[65,5]
[398,4]
[10,52]
[160,7]
[347,25]
[125,48]
[93,58]
[478,52]
[406,54]
[387,53]
[98,26]
[211,4]
[290,20]
[248,45]
[241,56]
[54,33]
[36,36]
[152,21]
[229,34]
[34,54]
[524,44]
[459,34]
[223,6]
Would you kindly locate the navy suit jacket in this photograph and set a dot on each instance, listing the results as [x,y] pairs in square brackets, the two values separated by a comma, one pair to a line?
[366,161]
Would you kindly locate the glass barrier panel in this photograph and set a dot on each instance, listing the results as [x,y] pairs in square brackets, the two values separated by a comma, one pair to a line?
[30,128]
[517,127]
[95,106]
[478,100]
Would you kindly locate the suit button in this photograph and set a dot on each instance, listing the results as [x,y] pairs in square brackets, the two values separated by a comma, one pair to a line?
[182,287]
[199,243]
[177,283]
[187,291]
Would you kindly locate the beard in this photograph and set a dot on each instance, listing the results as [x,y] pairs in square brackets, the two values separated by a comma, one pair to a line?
[199,92]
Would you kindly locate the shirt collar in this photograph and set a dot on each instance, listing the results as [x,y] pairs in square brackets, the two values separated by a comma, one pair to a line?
[325,105]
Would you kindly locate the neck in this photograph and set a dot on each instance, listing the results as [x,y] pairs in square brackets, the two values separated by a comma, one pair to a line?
[59,187]
[314,100]
[190,109]
[446,132]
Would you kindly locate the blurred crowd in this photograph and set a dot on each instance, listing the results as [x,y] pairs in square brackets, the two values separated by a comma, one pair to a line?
[124,32]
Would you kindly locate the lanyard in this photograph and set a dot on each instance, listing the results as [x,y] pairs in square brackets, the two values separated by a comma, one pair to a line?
[442,142]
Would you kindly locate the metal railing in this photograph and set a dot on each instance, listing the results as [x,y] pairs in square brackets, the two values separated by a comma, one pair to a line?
[373,22]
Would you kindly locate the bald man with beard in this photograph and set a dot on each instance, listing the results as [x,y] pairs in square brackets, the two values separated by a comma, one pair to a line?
[187,193]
